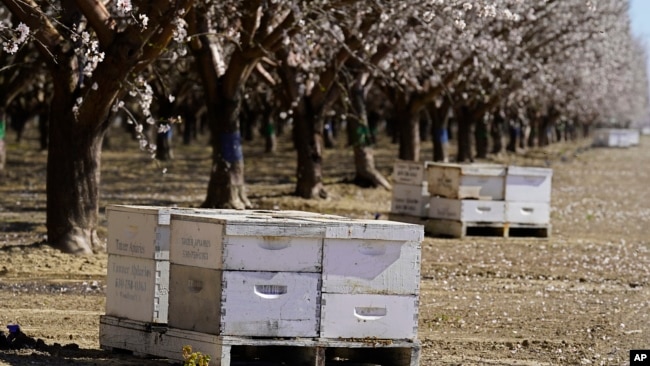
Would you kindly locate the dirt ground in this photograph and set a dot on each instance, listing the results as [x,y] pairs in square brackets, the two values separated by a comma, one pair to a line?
[580,297]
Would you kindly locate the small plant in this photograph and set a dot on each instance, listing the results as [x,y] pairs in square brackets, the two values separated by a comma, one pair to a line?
[194,358]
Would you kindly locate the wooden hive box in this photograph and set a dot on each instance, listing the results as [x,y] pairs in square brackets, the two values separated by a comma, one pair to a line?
[467,181]
[467,210]
[528,184]
[371,276]
[410,172]
[246,275]
[409,199]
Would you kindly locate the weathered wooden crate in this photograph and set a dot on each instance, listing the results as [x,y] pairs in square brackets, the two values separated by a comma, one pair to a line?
[143,340]
[137,288]
[467,210]
[247,242]
[369,315]
[467,181]
[528,184]
[520,212]
[138,231]
[244,303]
[410,172]
[410,199]
[371,266]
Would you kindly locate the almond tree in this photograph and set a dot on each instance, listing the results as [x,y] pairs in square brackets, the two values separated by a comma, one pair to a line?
[91,50]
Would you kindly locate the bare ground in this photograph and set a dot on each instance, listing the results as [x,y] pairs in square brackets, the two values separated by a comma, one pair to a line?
[581,297]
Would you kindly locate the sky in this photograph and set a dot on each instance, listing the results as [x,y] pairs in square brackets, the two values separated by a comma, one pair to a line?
[640,17]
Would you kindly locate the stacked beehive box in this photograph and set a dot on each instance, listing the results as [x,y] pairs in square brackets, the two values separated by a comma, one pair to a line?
[616,137]
[138,263]
[410,196]
[270,280]
[506,200]
[528,198]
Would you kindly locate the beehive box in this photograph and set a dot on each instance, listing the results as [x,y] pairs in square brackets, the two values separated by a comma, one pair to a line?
[137,288]
[409,199]
[467,210]
[247,242]
[369,315]
[410,172]
[528,184]
[138,231]
[616,137]
[471,181]
[528,212]
[244,303]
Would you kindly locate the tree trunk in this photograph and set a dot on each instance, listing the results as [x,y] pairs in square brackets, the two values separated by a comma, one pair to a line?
[514,134]
[409,132]
[439,134]
[3,148]
[226,188]
[270,137]
[73,176]
[364,161]
[308,136]
[496,132]
[481,138]
[464,120]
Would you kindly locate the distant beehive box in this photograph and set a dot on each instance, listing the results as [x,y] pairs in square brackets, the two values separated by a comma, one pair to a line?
[616,137]
[519,212]
[471,181]
[528,184]
[467,210]
[410,172]
[244,303]
[409,199]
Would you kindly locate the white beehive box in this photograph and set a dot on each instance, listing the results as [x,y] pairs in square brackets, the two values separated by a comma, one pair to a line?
[409,199]
[137,288]
[528,184]
[138,231]
[369,316]
[616,137]
[461,181]
[242,303]
[520,212]
[467,210]
[246,242]
[356,266]
[409,172]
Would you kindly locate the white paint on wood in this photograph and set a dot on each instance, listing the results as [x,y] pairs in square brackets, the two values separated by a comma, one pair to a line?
[203,244]
[528,212]
[528,184]
[260,304]
[467,210]
[371,266]
[462,181]
[369,316]
[138,231]
[410,199]
[410,172]
[137,288]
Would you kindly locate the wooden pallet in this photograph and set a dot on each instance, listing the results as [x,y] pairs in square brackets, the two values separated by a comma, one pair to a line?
[461,229]
[157,341]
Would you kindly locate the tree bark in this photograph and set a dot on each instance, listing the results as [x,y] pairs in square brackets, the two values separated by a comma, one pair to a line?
[481,138]
[496,132]
[73,176]
[308,134]
[465,122]
[439,135]
[364,161]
